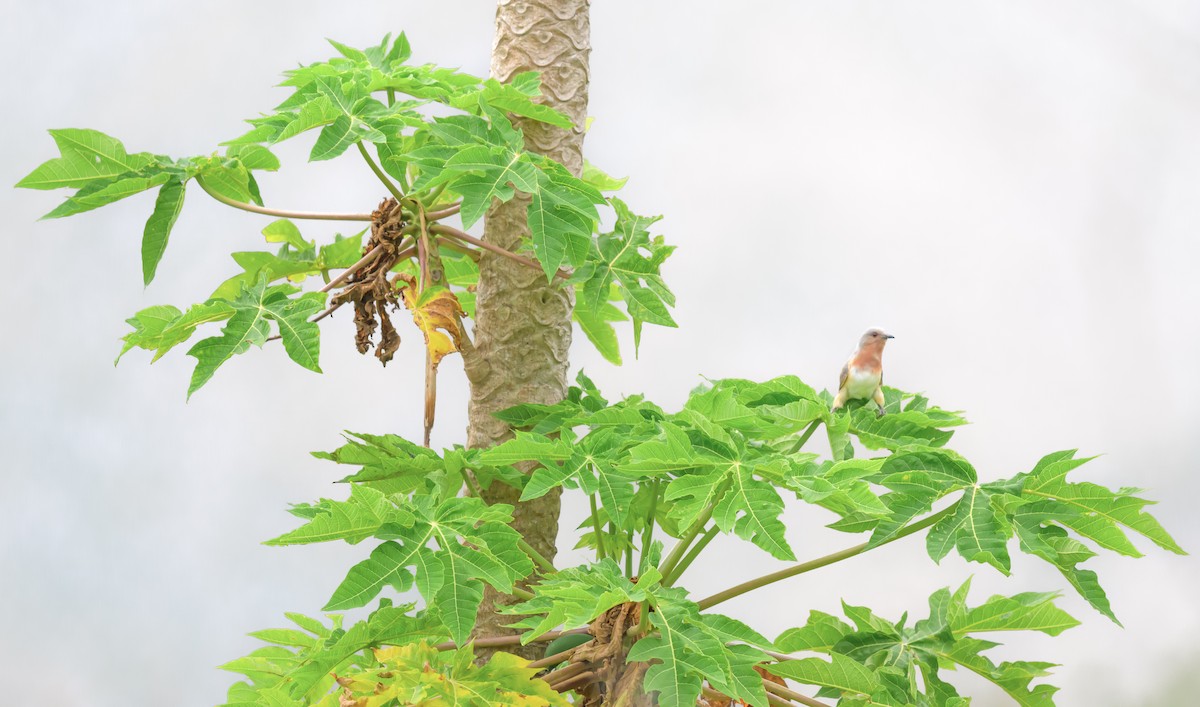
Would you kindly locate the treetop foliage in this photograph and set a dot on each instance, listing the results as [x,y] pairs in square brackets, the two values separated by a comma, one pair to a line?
[437,164]
[725,463]
[660,484]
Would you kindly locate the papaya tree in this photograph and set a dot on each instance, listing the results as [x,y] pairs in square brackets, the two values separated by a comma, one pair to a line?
[467,532]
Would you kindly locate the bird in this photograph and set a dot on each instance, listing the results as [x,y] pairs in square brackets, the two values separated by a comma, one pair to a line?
[862,376]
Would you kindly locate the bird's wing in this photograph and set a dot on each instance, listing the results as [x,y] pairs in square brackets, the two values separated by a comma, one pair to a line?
[845,374]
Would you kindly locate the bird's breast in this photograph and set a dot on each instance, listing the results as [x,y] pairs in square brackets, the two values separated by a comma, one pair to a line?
[862,382]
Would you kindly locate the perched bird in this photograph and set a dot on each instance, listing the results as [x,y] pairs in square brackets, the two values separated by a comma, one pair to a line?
[862,376]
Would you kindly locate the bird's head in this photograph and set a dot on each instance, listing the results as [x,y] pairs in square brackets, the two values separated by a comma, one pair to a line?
[874,337]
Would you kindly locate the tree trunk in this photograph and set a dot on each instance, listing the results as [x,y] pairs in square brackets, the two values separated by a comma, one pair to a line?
[523,324]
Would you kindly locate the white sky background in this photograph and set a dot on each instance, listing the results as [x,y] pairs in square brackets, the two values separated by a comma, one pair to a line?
[1010,188]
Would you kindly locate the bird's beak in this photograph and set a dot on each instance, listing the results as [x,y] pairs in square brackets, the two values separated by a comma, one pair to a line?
[888,336]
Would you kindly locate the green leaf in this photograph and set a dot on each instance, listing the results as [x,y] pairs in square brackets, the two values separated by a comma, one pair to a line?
[256,264]
[598,329]
[387,626]
[388,565]
[562,217]
[516,98]
[474,545]
[254,157]
[353,520]
[341,253]
[158,227]
[103,193]
[318,111]
[573,597]
[976,529]
[1102,512]
[843,674]
[525,446]
[683,655]
[1028,611]
[284,231]
[481,174]
[87,156]
[597,178]
[751,508]
[230,181]
[630,259]
[1014,678]
[161,327]
[348,52]
[394,465]
[335,139]
[821,634]
[255,308]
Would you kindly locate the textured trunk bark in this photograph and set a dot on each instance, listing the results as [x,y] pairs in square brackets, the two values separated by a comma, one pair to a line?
[523,324]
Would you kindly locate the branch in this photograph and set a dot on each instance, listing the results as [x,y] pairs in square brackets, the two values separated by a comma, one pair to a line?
[326,313]
[804,437]
[460,248]
[254,208]
[553,659]
[513,640]
[576,682]
[668,565]
[443,213]
[468,238]
[395,190]
[820,561]
[648,534]
[537,557]
[600,553]
[689,558]
[776,688]
[472,485]
[722,698]
[364,262]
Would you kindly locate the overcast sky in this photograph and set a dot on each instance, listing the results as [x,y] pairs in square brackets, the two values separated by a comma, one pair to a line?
[1009,188]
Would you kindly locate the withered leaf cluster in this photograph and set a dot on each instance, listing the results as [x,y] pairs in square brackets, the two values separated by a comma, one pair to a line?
[370,289]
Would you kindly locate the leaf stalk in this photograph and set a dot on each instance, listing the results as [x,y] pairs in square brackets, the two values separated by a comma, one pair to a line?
[819,562]
[395,190]
[281,213]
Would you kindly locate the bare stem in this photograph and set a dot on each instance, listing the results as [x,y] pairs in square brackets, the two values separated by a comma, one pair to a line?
[395,190]
[472,485]
[443,213]
[255,208]
[326,313]
[538,558]
[689,558]
[362,263]
[804,437]
[600,553]
[513,640]
[468,238]
[820,561]
[667,568]
[459,247]
[648,534]
[571,683]
[781,691]
[552,659]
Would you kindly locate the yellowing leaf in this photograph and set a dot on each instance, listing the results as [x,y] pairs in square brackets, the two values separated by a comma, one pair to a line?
[437,313]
